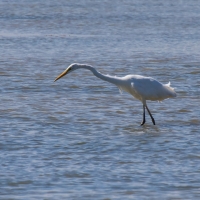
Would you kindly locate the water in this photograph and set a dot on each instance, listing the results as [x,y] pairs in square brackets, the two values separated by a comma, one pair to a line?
[78,138]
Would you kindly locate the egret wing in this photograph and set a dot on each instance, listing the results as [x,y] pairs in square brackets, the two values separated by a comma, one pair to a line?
[148,88]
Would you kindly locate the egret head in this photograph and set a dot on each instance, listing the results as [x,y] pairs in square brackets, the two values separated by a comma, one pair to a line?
[71,68]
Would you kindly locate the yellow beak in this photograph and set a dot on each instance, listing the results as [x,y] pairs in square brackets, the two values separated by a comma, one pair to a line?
[62,74]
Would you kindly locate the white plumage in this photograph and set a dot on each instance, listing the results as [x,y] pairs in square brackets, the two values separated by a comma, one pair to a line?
[141,87]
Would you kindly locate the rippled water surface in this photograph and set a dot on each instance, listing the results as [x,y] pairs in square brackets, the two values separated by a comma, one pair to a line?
[79,138]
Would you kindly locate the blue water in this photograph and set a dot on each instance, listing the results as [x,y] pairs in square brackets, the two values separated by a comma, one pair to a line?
[79,138]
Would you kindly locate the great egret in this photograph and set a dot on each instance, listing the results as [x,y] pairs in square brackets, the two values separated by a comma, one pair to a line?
[141,87]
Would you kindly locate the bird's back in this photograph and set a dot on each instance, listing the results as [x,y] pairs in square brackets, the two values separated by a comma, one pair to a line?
[147,88]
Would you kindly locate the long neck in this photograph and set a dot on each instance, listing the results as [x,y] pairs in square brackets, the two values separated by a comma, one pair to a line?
[110,79]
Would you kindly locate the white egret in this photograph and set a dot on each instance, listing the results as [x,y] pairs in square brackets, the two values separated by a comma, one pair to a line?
[141,87]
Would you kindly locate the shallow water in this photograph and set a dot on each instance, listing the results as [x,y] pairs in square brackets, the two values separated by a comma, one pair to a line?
[78,138]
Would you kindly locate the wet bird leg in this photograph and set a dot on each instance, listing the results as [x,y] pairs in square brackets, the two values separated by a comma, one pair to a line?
[143,115]
[151,115]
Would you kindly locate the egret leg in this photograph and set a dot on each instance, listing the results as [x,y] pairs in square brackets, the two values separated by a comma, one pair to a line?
[151,115]
[143,115]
